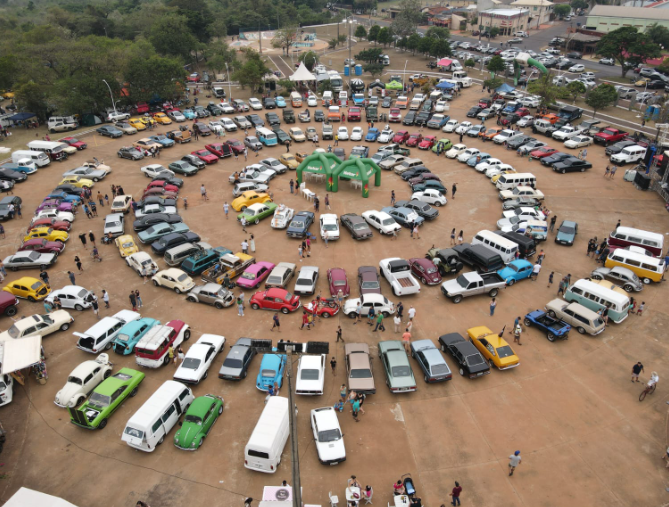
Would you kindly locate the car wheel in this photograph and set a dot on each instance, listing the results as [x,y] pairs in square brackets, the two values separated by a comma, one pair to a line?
[102,424]
[187,335]
[14,268]
[325,315]
[528,322]
[162,439]
[243,209]
[155,282]
[255,306]
[646,281]
[244,374]
[257,221]
[352,315]
[437,204]
[218,305]
[191,299]
[65,326]
[426,378]
[457,299]
[551,337]
[597,277]
[134,392]
[200,443]
[107,374]
[580,330]
[177,290]
[582,169]
[628,288]
[220,410]
[108,346]
[11,311]
[78,307]
[31,299]
[551,314]
[206,374]
[510,282]
[491,364]
[462,372]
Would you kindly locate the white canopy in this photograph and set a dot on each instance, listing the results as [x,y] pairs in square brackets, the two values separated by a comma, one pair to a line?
[24,497]
[302,74]
[16,354]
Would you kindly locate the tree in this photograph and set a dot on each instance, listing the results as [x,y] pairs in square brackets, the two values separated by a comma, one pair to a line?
[219,54]
[33,97]
[576,89]
[170,36]
[494,32]
[470,63]
[628,47]
[9,69]
[413,42]
[425,45]
[658,34]
[496,65]
[370,55]
[375,69]
[325,86]
[310,59]
[561,10]
[373,33]
[438,32]
[286,84]
[600,97]
[286,38]
[252,72]
[440,48]
[408,18]
[360,32]
[579,4]
[155,75]
[332,43]
[493,83]
[546,90]
[384,37]
[402,43]
[342,38]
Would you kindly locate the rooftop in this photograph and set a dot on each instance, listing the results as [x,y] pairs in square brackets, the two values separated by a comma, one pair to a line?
[542,3]
[506,12]
[609,11]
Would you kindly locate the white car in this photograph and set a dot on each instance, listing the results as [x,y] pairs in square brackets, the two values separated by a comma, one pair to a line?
[274,165]
[155,208]
[467,154]
[342,133]
[441,106]
[378,301]
[531,146]
[578,142]
[177,116]
[305,283]
[525,212]
[357,133]
[450,126]
[491,162]
[312,101]
[430,196]
[228,124]
[72,296]
[82,380]
[328,436]
[463,127]
[152,170]
[381,221]
[386,136]
[498,169]
[587,75]
[577,68]
[142,263]
[310,375]
[52,213]
[566,132]
[391,162]
[526,121]
[530,101]
[456,150]
[226,108]
[506,224]
[174,279]
[282,217]
[521,191]
[330,224]
[198,359]
[115,116]
[36,324]
[255,104]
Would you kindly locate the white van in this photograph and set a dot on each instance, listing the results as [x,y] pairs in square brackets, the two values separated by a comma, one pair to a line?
[263,451]
[55,120]
[629,155]
[505,248]
[27,163]
[39,159]
[55,151]
[100,336]
[175,256]
[513,180]
[149,426]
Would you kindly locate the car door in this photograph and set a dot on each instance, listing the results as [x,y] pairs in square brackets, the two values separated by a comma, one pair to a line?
[424,364]
[269,303]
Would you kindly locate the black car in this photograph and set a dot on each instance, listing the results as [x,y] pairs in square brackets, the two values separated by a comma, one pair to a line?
[519,141]
[413,172]
[618,147]
[470,361]
[272,119]
[236,364]
[281,136]
[422,208]
[555,158]
[427,105]
[387,101]
[299,225]
[422,118]
[474,111]
[194,161]
[655,84]
[4,205]
[319,115]
[575,55]
[157,199]
[130,152]
[409,118]
[571,165]
[174,239]
[69,189]
[214,109]
[356,226]
[144,223]
[11,175]
[255,120]
[269,103]
[564,64]
[172,180]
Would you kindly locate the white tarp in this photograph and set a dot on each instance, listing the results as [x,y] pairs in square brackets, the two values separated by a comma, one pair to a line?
[18,354]
[25,497]
[302,74]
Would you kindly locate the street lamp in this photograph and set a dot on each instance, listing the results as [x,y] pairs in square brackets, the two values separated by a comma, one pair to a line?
[349,21]
[110,94]
[229,82]
[404,74]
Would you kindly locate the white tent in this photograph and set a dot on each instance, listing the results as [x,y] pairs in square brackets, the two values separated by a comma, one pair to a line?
[25,497]
[302,74]
[18,354]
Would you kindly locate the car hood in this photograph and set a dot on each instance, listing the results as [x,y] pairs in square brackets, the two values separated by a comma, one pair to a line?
[186,434]
[67,393]
[331,451]
[562,236]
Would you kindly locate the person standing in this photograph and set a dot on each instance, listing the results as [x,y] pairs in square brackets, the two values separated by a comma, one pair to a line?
[82,237]
[240,307]
[636,370]
[356,408]
[327,202]
[455,494]
[553,220]
[245,247]
[226,209]
[411,313]
[292,185]
[400,309]
[342,393]
[276,322]
[541,256]
[517,331]
[358,311]
[243,222]
[406,341]
[203,192]
[370,316]
[550,279]
[96,308]
[493,305]
[333,365]
[105,298]
[379,322]
[45,277]
[453,236]
[339,332]
[392,198]
[398,322]
[77,261]
[71,277]
[300,252]
[252,243]
[454,189]
[514,461]
[461,237]
[535,271]
[139,299]
[415,234]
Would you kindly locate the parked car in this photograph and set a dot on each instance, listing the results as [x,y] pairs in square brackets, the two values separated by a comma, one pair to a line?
[272,367]
[396,365]
[199,357]
[305,283]
[554,328]
[82,380]
[493,347]
[211,294]
[469,360]
[357,226]
[430,360]
[236,363]
[200,417]
[566,233]
[327,435]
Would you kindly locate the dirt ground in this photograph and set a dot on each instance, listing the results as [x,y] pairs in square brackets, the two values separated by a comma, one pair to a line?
[570,407]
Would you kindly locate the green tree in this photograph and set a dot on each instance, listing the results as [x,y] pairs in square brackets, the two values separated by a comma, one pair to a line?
[375,69]
[413,42]
[440,48]
[373,33]
[252,72]
[493,83]
[628,47]
[496,65]
[286,38]
[425,45]
[341,39]
[218,54]
[33,97]
[576,89]
[601,97]
[470,63]
[325,86]
[310,59]
[658,34]
[474,21]
[385,37]
[360,32]
[370,55]
[156,75]
[579,4]
[332,43]
[287,85]
[546,90]
[408,18]
[438,32]
[198,17]
[170,36]
[561,10]
[494,32]
[9,69]
[402,43]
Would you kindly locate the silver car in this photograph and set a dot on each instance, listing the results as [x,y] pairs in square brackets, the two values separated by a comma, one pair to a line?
[114,224]
[252,143]
[245,186]
[29,259]
[211,294]
[87,172]
[305,284]
[235,366]
[624,277]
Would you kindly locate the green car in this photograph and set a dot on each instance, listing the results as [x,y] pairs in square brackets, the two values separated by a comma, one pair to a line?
[446,144]
[395,361]
[199,419]
[106,398]
[183,167]
[256,212]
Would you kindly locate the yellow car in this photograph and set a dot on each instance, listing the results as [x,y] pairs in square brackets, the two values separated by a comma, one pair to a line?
[301,155]
[297,135]
[505,171]
[289,160]
[28,288]
[137,123]
[77,181]
[162,119]
[250,197]
[8,95]
[126,245]
[493,347]
[45,232]
[147,120]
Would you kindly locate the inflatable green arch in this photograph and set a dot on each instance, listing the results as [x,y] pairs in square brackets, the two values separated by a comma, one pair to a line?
[319,163]
[357,169]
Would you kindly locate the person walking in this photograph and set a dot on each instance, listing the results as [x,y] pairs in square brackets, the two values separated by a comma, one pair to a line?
[342,393]
[70,275]
[305,320]
[535,271]
[517,331]
[392,198]
[397,322]
[461,237]
[614,168]
[356,408]
[292,185]
[77,261]
[562,287]
[105,298]
[493,305]
[252,243]
[326,237]
[327,202]
[553,220]
[300,252]
[454,189]
[370,316]
[133,301]
[358,311]
[339,337]
[82,237]
[453,236]
[379,322]
[226,209]
[139,299]
[415,234]
[245,247]
[96,308]
[181,355]
[333,365]
[541,256]
[45,277]
[243,222]
[240,307]
[91,238]
[455,494]
[514,461]
[400,309]
[406,341]
[276,323]
[636,370]
[203,192]
[550,279]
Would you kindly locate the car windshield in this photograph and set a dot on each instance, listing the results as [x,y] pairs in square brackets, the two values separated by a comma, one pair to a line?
[122,337]
[36,285]
[401,371]
[310,374]
[74,380]
[370,285]
[304,281]
[268,373]
[566,230]
[193,419]
[431,270]
[133,432]
[182,277]
[127,244]
[274,280]
[388,221]
[330,227]
[474,360]
[190,363]
[505,351]
[99,400]
[361,373]
[232,363]
[359,227]
[248,276]
[439,369]
[297,224]
[329,435]
[339,283]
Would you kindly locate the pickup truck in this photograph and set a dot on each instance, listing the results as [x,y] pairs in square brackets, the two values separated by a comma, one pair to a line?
[398,274]
[371,113]
[471,284]
[608,136]
[231,265]
[542,126]
[567,132]
[554,328]
[354,114]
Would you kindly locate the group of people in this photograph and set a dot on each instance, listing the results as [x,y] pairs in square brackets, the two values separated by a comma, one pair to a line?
[356,400]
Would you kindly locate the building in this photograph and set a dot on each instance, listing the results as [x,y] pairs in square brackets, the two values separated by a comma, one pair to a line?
[606,18]
[507,20]
[541,11]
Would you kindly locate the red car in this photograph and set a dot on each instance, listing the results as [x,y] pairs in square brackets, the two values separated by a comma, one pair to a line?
[354,114]
[325,309]
[523,111]
[8,304]
[193,78]
[162,184]
[74,142]
[236,146]
[422,178]
[427,143]
[275,299]
[425,270]
[59,225]
[338,281]
[542,152]
[41,245]
[216,149]
[401,136]
[206,156]
[484,103]
[142,107]
[395,115]
[414,139]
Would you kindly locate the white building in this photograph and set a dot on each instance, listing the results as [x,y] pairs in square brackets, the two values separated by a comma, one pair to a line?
[507,20]
[540,11]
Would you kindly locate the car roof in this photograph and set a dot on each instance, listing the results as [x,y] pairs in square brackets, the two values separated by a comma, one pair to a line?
[327,418]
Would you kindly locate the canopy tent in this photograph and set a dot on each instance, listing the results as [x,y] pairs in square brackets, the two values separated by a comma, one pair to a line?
[319,163]
[394,85]
[25,496]
[505,88]
[357,85]
[445,85]
[376,84]
[444,62]
[22,116]
[18,354]
[302,74]
[357,169]
[270,77]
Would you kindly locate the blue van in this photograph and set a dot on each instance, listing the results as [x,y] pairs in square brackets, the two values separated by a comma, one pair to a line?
[202,260]
[266,136]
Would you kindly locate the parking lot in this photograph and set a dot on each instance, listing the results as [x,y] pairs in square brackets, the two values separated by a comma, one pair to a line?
[569,407]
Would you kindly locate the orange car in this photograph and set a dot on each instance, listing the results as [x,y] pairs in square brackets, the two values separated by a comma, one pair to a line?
[402,102]
[551,118]
[162,119]
[490,133]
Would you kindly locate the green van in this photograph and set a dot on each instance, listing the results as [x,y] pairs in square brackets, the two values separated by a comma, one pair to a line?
[202,260]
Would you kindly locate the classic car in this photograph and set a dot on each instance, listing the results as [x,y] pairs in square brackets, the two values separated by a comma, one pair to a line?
[359,368]
[28,288]
[381,221]
[256,212]
[142,263]
[272,367]
[42,245]
[300,224]
[125,340]
[493,347]
[235,365]
[198,421]
[305,283]
[199,358]
[151,209]
[275,299]
[151,219]
[399,375]
[130,152]
[211,294]
[516,271]
[282,217]
[126,245]
[174,279]
[425,270]
[469,360]
[33,325]
[328,437]
[159,230]
[30,259]
[422,209]
[255,274]
[90,173]
[430,360]
[48,233]
[429,196]
[161,245]
[404,216]
[338,281]
[72,296]
[629,281]
[109,131]
[368,280]
[553,327]
[82,380]
[566,233]
[249,198]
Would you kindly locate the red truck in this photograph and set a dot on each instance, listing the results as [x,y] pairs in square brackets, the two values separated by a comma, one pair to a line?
[354,114]
[609,135]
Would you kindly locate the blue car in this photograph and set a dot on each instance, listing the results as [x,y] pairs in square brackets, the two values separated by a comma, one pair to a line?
[20,168]
[272,367]
[472,161]
[299,225]
[63,196]
[189,114]
[358,99]
[162,140]
[109,131]
[280,101]
[155,232]
[131,333]
[516,271]
[566,234]
[372,135]
[404,216]
[554,328]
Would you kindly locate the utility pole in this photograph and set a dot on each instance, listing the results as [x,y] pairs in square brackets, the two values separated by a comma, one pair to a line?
[349,21]
[260,39]
[295,455]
